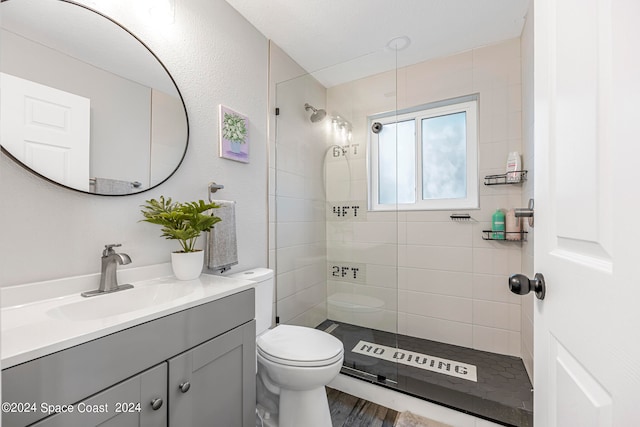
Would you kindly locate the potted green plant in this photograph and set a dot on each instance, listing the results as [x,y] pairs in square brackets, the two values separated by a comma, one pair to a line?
[183,222]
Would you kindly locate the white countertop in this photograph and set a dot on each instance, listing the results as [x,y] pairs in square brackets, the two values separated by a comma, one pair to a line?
[33,328]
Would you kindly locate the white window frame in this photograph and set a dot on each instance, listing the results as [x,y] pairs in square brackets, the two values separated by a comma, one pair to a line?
[467,104]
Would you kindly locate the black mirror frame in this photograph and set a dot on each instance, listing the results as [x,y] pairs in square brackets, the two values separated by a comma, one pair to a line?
[186,116]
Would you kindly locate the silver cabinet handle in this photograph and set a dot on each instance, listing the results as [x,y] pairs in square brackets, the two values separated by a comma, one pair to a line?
[185,386]
[156,403]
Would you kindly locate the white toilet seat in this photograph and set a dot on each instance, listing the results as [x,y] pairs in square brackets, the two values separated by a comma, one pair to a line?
[302,364]
[299,346]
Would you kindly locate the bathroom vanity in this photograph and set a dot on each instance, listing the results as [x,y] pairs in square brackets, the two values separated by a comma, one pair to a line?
[186,361]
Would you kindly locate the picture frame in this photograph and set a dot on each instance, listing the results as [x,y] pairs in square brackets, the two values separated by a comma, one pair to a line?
[234,135]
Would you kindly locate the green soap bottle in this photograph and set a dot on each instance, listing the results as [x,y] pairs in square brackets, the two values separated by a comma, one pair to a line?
[497,225]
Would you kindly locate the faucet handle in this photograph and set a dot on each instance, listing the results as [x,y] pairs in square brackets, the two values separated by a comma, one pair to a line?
[108,249]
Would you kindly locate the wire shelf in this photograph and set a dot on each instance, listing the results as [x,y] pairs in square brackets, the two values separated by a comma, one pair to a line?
[505,236]
[509,178]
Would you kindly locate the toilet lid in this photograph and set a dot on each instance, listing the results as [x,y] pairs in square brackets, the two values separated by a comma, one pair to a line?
[299,346]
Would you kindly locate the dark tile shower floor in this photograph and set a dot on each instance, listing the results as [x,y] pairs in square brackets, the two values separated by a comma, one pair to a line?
[502,393]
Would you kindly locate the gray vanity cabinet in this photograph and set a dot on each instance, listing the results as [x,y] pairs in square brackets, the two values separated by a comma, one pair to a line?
[199,361]
[214,383]
[119,406]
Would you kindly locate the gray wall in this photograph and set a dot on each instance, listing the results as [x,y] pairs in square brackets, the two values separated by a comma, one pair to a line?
[216,57]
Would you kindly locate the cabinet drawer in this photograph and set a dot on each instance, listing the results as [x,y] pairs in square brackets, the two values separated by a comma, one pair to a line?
[127,404]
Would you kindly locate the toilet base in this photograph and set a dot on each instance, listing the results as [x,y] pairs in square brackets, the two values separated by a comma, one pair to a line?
[264,418]
[308,408]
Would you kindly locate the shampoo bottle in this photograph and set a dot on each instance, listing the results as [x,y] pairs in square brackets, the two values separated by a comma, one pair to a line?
[514,163]
[497,225]
[513,226]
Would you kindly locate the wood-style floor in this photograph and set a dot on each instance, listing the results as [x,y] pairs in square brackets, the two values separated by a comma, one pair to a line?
[350,411]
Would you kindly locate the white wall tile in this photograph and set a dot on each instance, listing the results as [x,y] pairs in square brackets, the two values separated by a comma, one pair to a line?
[496,340]
[290,209]
[295,257]
[436,257]
[382,275]
[447,233]
[497,315]
[427,216]
[300,233]
[296,304]
[438,306]
[372,253]
[492,261]
[445,331]
[388,296]
[311,317]
[375,232]
[456,284]
[491,287]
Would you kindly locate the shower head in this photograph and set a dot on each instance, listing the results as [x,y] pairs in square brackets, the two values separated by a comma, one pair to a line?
[317,114]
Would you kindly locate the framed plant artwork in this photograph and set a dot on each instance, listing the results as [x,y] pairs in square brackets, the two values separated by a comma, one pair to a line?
[234,135]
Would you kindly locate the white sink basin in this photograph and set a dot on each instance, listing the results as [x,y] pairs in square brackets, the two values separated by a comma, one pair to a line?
[37,319]
[117,303]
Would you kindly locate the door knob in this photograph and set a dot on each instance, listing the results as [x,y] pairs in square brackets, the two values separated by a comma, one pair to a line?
[522,285]
[185,386]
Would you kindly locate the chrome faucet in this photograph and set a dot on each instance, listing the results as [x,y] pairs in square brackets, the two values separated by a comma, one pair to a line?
[108,277]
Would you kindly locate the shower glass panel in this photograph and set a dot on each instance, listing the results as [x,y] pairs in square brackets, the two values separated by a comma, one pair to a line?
[377,217]
[336,262]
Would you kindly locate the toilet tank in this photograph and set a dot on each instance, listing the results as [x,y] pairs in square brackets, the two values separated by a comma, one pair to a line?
[263,278]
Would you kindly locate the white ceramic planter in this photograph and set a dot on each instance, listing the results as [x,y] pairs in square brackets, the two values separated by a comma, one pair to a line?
[187,265]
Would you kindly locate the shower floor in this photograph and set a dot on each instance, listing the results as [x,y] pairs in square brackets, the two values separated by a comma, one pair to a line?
[502,393]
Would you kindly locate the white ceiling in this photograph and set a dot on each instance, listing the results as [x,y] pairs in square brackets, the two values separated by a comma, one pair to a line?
[341,40]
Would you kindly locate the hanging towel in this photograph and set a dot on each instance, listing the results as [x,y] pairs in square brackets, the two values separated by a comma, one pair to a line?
[112,186]
[222,248]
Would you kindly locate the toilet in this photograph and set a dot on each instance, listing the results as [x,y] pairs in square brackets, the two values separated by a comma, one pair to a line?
[293,362]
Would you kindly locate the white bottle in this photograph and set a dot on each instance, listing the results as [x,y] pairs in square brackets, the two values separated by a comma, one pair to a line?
[513,226]
[514,163]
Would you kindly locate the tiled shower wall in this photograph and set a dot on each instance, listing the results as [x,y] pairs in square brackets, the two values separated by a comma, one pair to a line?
[297,249]
[444,280]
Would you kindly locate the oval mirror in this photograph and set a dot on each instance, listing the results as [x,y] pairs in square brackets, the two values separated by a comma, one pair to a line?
[84,103]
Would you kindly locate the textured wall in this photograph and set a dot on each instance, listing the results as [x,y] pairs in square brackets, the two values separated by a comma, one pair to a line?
[216,57]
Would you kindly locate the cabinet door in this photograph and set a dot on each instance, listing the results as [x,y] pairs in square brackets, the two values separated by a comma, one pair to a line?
[213,384]
[128,404]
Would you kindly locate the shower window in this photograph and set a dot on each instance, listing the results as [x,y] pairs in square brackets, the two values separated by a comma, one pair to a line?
[425,158]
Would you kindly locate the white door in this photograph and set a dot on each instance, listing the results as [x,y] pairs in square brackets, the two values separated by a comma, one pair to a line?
[46,129]
[587,173]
